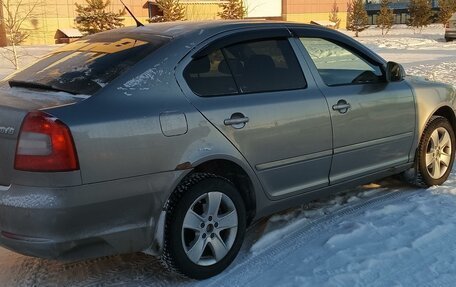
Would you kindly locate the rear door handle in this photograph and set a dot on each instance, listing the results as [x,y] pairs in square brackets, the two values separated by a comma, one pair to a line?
[230,122]
[342,106]
[237,121]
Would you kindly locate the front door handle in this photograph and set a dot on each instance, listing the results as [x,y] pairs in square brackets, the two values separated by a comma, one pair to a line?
[342,106]
[237,121]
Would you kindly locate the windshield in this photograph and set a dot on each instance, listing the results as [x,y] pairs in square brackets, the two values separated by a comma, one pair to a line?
[87,65]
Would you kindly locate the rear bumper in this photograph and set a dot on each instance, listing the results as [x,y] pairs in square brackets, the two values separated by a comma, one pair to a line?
[84,221]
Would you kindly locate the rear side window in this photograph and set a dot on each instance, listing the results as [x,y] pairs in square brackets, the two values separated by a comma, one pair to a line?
[209,76]
[249,67]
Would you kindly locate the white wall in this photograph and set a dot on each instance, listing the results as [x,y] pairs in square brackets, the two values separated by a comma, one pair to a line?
[263,8]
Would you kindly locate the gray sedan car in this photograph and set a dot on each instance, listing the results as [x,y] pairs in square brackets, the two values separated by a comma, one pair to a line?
[172,138]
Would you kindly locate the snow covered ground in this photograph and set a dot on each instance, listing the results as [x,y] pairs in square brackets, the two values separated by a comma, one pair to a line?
[383,234]
[390,236]
[426,54]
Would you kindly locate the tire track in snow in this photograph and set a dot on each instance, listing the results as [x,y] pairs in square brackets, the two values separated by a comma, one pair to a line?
[255,265]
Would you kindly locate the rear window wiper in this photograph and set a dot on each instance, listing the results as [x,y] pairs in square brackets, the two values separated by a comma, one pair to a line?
[33,85]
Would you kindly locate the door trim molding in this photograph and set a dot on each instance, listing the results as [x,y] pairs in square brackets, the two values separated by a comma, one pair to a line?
[372,143]
[292,160]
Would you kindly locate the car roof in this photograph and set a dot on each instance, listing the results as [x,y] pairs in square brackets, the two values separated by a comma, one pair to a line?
[179,28]
[187,34]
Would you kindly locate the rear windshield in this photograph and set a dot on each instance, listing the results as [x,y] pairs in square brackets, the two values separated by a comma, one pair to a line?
[87,65]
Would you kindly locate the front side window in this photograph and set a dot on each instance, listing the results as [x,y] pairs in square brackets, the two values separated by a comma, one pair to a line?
[339,66]
[248,67]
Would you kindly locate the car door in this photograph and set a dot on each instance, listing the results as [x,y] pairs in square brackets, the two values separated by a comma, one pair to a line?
[254,91]
[373,120]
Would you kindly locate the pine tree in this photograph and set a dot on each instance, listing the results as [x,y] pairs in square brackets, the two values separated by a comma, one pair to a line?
[334,15]
[447,8]
[385,19]
[93,17]
[357,18]
[233,9]
[172,10]
[420,14]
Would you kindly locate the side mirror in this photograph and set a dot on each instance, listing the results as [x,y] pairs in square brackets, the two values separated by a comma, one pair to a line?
[394,72]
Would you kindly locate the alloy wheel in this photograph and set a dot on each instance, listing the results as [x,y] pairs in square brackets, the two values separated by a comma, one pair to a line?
[209,228]
[438,153]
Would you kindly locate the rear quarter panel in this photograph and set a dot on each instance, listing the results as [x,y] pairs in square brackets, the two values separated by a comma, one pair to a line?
[118,133]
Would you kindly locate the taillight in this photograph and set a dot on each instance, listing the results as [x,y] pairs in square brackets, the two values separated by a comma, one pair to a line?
[45,144]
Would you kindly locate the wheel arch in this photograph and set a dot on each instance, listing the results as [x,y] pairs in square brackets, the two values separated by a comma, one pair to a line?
[238,172]
[443,110]
[448,113]
[238,176]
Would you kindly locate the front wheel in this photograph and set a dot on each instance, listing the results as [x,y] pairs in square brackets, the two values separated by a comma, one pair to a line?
[205,226]
[436,152]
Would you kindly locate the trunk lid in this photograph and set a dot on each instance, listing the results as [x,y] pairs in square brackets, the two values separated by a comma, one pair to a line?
[15,103]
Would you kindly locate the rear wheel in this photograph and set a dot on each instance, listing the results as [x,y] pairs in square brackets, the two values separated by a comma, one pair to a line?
[435,153]
[205,226]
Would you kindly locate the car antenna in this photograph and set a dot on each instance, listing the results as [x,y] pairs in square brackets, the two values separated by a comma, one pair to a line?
[138,24]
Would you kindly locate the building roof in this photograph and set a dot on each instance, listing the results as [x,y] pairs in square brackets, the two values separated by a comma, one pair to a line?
[70,33]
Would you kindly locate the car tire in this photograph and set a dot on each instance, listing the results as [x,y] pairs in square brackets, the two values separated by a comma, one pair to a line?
[435,154]
[205,211]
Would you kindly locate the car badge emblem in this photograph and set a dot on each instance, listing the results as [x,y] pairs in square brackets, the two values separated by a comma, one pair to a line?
[7,130]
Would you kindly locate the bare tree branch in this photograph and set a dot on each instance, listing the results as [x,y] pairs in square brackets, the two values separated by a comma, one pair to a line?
[17,12]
